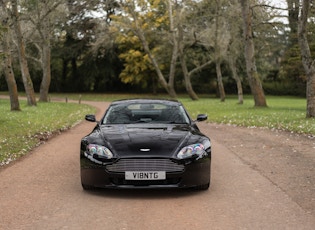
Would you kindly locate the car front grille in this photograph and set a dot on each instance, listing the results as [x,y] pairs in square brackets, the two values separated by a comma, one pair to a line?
[124,165]
[121,181]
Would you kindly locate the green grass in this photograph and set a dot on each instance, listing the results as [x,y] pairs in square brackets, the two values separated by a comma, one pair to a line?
[285,113]
[101,97]
[22,131]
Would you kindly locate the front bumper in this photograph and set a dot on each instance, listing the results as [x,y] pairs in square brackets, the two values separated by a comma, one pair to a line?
[182,174]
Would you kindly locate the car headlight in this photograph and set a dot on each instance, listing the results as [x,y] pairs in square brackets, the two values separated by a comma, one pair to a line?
[197,150]
[100,151]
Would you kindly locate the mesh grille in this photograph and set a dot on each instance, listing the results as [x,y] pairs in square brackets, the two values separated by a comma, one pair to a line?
[121,181]
[145,165]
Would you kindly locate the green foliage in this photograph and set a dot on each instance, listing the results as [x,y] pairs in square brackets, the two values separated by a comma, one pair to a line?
[152,21]
[22,131]
[291,67]
[284,88]
[78,66]
[137,65]
[2,29]
[271,39]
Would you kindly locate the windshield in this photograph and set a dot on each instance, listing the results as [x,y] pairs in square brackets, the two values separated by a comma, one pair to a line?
[145,113]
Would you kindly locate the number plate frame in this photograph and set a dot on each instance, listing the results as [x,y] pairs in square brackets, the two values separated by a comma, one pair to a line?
[145,175]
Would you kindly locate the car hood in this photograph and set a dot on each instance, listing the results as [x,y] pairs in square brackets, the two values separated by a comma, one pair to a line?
[146,140]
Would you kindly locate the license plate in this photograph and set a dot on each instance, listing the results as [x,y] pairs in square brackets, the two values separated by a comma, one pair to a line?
[141,175]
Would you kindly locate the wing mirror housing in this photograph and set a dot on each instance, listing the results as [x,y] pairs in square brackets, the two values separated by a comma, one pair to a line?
[90,117]
[202,117]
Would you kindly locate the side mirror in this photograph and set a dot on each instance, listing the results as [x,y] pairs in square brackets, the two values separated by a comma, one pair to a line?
[202,117]
[90,117]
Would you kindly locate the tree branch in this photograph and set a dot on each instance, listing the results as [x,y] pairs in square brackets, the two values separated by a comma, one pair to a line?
[199,68]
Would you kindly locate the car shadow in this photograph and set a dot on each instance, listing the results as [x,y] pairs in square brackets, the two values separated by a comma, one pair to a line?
[145,193]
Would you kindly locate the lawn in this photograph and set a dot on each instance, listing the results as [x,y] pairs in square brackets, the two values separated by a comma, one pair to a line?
[21,131]
[285,113]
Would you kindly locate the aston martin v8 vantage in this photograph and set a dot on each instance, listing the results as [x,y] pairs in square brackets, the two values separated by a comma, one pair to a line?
[145,143]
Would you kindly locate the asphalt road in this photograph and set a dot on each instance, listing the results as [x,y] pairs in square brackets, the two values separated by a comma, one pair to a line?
[43,191]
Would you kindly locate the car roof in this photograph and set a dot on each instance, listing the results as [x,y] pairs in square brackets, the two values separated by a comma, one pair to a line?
[139,100]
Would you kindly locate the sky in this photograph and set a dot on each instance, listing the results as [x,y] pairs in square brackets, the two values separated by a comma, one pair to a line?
[280,4]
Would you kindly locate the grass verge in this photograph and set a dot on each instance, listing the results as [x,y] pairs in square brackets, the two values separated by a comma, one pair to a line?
[283,112]
[22,131]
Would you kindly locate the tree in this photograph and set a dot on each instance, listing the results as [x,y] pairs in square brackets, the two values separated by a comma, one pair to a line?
[42,14]
[293,18]
[27,81]
[185,37]
[9,74]
[75,47]
[291,69]
[169,29]
[138,68]
[7,60]
[235,48]
[211,32]
[177,36]
[137,17]
[219,25]
[252,74]
[232,63]
[307,61]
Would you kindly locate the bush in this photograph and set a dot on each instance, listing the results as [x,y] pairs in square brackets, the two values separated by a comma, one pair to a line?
[284,88]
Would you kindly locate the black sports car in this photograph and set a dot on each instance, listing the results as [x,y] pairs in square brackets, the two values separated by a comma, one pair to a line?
[145,143]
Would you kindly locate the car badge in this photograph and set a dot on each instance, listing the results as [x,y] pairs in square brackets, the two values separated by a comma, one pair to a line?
[145,150]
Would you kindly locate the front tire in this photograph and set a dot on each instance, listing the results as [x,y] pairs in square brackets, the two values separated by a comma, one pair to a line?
[88,187]
[202,187]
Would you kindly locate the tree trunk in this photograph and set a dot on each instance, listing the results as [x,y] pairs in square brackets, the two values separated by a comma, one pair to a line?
[307,60]
[179,43]
[252,74]
[27,81]
[219,79]
[174,51]
[237,79]
[44,87]
[188,85]
[217,52]
[8,71]
[310,97]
